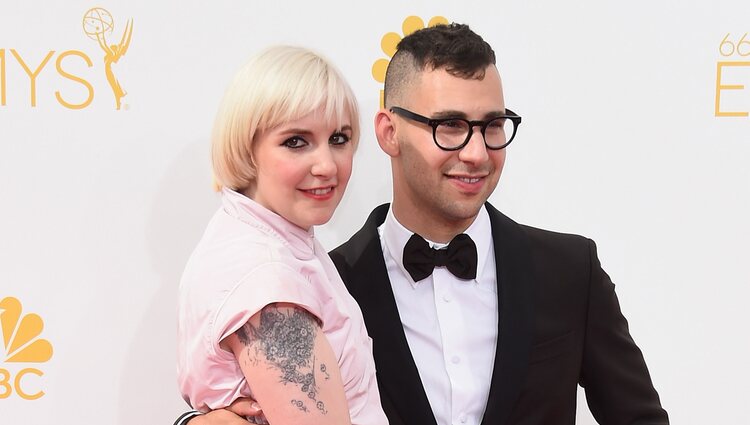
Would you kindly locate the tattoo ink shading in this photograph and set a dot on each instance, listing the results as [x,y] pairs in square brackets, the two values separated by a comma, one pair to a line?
[286,340]
[299,405]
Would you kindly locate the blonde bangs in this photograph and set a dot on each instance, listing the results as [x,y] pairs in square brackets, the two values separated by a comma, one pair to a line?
[313,85]
[279,85]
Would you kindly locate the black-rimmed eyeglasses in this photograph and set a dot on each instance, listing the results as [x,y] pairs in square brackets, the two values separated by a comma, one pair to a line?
[452,134]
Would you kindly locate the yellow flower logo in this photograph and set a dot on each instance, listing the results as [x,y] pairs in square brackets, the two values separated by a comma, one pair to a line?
[20,334]
[390,40]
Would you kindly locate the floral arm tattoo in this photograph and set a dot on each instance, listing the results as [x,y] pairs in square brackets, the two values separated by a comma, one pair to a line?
[286,339]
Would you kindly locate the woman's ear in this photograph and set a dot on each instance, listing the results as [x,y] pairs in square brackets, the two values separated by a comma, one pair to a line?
[385,132]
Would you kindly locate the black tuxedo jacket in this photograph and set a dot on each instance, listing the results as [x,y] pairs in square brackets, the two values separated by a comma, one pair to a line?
[559,325]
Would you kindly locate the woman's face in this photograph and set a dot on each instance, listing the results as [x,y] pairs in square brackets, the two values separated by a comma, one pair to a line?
[303,167]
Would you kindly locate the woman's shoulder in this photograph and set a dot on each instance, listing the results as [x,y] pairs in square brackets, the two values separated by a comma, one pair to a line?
[228,251]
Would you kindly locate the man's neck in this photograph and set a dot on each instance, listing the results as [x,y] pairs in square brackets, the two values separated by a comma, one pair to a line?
[437,229]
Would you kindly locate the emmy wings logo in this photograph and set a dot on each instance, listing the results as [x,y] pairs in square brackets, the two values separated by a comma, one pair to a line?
[19,72]
[98,24]
[390,40]
[731,71]
[22,344]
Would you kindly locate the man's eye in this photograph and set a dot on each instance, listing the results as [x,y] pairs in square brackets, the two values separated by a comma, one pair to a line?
[456,127]
[338,139]
[295,142]
[496,124]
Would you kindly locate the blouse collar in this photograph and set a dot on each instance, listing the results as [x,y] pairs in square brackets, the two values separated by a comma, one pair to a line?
[246,210]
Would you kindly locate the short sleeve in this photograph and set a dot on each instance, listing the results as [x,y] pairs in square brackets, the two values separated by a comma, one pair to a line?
[267,284]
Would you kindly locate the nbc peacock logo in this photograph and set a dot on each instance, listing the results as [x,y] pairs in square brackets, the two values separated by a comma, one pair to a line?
[390,40]
[22,344]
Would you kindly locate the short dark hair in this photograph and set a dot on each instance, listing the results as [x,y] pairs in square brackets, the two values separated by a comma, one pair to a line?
[454,47]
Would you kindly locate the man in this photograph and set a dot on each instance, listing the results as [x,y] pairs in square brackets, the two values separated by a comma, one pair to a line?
[505,336]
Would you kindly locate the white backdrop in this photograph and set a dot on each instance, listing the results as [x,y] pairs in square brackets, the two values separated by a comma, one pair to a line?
[622,141]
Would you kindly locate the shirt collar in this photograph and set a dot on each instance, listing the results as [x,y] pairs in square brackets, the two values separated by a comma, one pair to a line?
[395,236]
[246,210]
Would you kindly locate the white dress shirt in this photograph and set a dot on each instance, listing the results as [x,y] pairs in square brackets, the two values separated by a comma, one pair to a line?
[450,323]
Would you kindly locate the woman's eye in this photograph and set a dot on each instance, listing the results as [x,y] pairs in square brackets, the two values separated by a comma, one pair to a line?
[295,142]
[338,139]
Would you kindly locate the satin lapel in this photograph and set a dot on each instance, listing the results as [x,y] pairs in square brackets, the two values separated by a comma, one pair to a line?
[366,277]
[515,303]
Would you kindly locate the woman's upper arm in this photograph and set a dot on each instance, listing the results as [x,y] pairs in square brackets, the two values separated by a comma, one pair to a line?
[290,366]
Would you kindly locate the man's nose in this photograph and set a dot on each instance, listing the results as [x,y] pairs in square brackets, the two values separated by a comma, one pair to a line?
[475,150]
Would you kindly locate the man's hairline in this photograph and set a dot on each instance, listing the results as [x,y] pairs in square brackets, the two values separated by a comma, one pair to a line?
[417,76]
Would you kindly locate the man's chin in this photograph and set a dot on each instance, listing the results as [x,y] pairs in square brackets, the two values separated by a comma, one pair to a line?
[462,211]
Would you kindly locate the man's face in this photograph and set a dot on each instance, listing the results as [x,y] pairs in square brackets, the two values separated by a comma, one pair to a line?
[437,187]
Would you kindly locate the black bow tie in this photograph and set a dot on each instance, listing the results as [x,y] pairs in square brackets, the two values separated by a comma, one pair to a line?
[459,257]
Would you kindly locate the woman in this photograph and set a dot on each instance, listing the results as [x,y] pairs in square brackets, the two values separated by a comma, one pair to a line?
[262,311]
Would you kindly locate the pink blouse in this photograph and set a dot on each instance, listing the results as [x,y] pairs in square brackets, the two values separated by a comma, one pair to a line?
[250,257]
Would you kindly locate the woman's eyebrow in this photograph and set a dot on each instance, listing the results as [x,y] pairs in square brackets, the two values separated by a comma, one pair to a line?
[294,130]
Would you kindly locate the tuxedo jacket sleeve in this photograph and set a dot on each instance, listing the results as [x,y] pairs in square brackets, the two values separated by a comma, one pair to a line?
[559,325]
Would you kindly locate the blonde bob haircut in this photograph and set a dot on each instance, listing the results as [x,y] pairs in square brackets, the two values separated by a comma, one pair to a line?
[278,85]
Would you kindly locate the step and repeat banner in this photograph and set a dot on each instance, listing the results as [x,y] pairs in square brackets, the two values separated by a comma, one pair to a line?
[636,133]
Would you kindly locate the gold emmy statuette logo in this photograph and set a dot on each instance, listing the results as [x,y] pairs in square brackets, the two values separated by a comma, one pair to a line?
[70,65]
[22,345]
[390,40]
[739,50]
[97,24]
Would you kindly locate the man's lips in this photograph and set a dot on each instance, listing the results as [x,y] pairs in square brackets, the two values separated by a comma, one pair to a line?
[469,184]
[467,178]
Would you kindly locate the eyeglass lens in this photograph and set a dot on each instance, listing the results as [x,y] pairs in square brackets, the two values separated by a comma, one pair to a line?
[453,133]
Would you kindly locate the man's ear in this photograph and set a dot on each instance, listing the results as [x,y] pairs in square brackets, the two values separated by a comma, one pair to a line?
[385,131]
